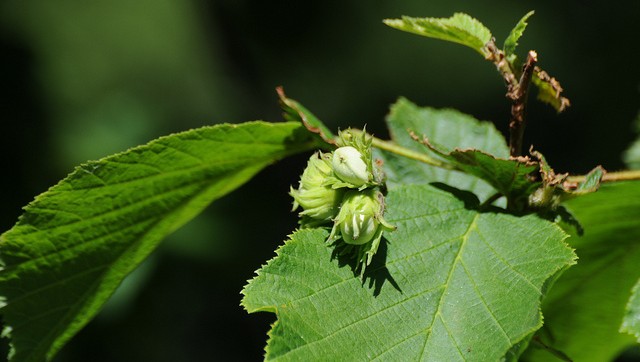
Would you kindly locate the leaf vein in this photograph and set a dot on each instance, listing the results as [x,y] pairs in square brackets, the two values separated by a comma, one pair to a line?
[484,303]
[505,262]
[472,225]
[367,317]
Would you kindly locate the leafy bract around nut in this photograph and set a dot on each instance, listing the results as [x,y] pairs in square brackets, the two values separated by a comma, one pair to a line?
[360,224]
[318,200]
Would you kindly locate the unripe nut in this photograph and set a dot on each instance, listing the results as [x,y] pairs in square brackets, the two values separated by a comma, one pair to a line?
[349,166]
[359,229]
[319,201]
[357,218]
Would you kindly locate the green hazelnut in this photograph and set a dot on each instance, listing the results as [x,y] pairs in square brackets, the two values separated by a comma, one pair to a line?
[360,229]
[360,223]
[360,217]
[349,166]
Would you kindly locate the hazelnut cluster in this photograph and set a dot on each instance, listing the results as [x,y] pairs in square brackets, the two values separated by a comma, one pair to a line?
[343,187]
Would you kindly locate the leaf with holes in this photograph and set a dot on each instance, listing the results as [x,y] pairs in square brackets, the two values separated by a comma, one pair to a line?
[449,284]
[76,242]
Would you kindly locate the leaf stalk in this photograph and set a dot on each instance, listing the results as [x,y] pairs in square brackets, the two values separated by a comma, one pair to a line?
[390,146]
[405,152]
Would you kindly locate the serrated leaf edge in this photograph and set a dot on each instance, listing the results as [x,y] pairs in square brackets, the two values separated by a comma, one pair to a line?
[625,327]
[409,24]
[511,42]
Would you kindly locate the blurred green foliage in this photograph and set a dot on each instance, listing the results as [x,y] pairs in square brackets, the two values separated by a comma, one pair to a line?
[83,80]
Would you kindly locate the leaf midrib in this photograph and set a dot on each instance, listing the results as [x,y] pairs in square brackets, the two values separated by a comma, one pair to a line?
[457,259]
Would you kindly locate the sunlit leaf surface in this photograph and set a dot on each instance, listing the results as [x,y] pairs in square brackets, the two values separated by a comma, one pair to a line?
[76,242]
[450,284]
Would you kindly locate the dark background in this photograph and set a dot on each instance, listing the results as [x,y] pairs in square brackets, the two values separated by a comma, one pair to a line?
[82,80]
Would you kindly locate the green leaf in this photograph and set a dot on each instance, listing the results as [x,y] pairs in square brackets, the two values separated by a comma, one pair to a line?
[512,178]
[549,90]
[449,284]
[465,30]
[448,128]
[296,112]
[591,182]
[631,321]
[76,242]
[460,28]
[511,42]
[585,308]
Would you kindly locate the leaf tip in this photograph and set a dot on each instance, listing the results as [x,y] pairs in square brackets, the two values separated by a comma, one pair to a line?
[394,23]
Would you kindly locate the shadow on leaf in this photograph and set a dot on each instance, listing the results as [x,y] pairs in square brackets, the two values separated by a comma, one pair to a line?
[471,201]
[375,275]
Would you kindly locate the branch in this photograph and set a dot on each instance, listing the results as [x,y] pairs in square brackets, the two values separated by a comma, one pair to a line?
[405,152]
[518,96]
[632,175]
[497,56]
[517,91]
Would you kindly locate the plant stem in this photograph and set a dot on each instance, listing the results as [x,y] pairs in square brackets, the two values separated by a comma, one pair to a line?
[517,91]
[629,175]
[518,96]
[632,175]
[405,152]
[497,56]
